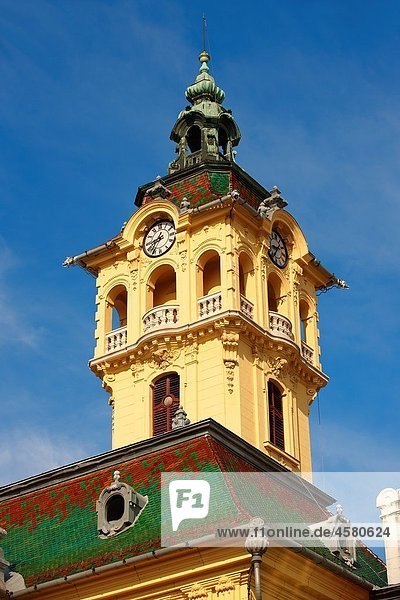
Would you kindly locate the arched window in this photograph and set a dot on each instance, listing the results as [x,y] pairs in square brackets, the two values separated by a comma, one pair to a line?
[116,308]
[275,410]
[165,402]
[304,321]
[194,138]
[161,287]
[222,140]
[274,292]
[209,273]
[246,284]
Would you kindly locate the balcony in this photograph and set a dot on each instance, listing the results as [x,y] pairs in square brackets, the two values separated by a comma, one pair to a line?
[280,325]
[209,305]
[160,317]
[246,306]
[116,340]
[307,352]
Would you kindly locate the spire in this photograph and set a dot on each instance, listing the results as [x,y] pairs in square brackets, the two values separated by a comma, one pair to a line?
[204,86]
[205,131]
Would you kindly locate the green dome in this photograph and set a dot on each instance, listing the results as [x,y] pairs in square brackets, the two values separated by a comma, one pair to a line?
[204,86]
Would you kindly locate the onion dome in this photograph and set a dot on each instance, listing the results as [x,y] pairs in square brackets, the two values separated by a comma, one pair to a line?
[204,86]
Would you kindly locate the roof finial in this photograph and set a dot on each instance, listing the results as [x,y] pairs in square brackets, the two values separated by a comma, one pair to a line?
[204,32]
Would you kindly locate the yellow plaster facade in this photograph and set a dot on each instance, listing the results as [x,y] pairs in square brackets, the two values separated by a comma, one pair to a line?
[209,574]
[215,310]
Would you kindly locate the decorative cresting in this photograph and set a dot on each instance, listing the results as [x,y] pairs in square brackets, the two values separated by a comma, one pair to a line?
[118,508]
[206,130]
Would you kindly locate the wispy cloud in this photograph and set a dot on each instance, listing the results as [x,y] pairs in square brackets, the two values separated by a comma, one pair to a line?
[339,446]
[14,326]
[25,453]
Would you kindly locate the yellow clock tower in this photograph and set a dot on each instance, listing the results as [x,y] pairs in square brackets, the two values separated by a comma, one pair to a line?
[206,300]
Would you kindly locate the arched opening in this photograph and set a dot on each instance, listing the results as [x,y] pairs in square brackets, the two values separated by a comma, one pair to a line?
[162,287]
[194,138]
[275,412]
[116,308]
[305,321]
[246,284]
[222,140]
[274,286]
[165,402]
[209,271]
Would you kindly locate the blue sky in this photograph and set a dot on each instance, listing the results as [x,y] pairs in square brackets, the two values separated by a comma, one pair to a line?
[88,95]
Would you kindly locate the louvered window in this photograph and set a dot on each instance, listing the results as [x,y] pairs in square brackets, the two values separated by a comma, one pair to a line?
[275,404]
[165,402]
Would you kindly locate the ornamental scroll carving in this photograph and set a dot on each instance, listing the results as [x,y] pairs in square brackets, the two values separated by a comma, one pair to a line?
[277,365]
[230,343]
[163,358]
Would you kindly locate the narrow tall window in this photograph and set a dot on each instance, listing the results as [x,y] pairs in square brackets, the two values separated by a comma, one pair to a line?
[275,407]
[165,402]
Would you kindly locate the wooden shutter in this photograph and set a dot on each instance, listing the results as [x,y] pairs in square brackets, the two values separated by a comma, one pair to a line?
[165,386]
[275,405]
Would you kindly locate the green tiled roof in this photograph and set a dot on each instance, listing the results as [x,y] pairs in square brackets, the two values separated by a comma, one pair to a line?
[52,532]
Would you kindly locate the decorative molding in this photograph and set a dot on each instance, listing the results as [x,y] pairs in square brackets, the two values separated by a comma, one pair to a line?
[277,365]
[191,351]
[183,257]
[230,373]
[263,266]
[226,325]
[230,343]
[224,584]
[197,591]
[163,358]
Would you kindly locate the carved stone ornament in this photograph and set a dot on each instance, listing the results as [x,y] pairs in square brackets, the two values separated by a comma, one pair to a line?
[197,591]
[184,205]
[163,358]
[224,584]
[183,257]
[277,365]
[230,373]
[180,419]
[270,205]
[118,508]
[157,191]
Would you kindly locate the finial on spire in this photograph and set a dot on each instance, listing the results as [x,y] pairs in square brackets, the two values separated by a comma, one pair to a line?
[204,25]
[204,58]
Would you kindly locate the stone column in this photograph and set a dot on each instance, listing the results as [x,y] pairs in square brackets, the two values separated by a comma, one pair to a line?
[388,502]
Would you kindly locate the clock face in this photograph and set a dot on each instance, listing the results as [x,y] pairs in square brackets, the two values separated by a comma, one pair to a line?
[277,250]
[159,238]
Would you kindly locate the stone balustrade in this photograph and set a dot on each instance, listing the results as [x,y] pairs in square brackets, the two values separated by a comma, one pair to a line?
[246,306]
[116,339]
[160,317]
[209,305]
[280,325]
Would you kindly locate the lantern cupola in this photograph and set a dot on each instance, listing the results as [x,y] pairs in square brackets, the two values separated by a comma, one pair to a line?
[205,131]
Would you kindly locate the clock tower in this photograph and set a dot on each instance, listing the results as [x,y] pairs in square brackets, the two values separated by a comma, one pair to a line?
[206,300]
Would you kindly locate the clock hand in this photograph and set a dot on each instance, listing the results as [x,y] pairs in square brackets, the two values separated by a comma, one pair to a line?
[154,243]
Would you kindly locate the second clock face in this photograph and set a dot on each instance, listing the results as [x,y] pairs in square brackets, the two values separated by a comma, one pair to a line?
[277,250]
[159,238]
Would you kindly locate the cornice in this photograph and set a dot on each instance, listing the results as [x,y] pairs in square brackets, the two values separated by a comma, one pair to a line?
[204,329]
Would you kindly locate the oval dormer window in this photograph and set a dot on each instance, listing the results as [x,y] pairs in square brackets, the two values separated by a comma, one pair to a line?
[118,508]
